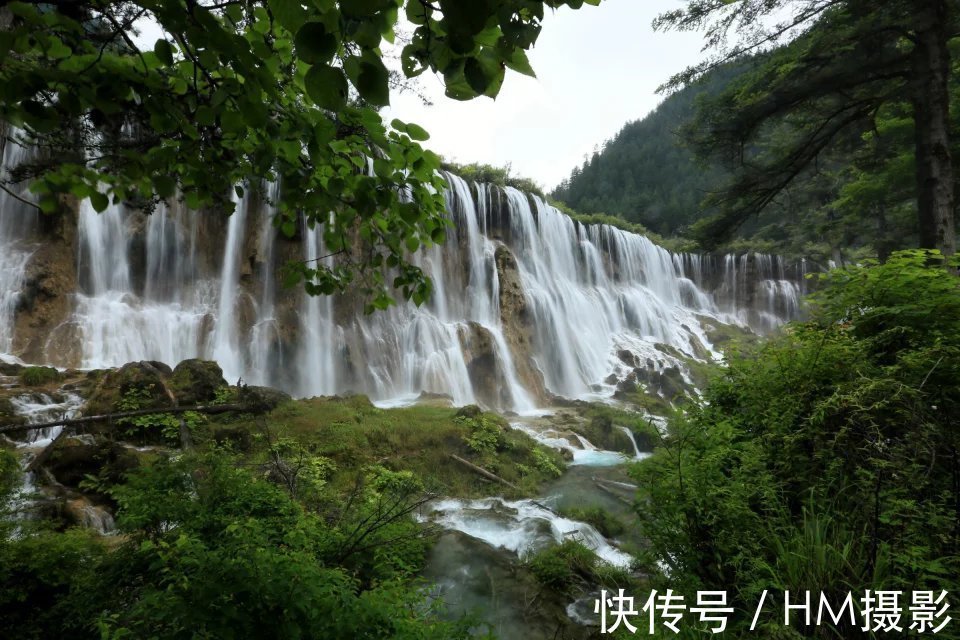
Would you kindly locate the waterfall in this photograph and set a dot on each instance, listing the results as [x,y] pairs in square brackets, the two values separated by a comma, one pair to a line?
[226,343]
[265,333]
[116,324]
[318,366]
[18,223]
[527,302]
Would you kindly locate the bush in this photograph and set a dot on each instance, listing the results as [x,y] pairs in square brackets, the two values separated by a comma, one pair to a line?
[825,459]
[38,376]
[570,564]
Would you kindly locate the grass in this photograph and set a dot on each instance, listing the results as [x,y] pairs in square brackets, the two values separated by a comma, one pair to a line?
[354,434]
[38,376]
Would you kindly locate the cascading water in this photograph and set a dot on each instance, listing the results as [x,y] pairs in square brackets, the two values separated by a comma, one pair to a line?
[521,526]
[317,361]
[18,222]
[37,408]
[176,284]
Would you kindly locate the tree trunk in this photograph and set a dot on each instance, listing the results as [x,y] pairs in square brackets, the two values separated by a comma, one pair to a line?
[931,113]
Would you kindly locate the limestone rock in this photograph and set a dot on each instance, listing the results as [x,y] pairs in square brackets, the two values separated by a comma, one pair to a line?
[518,324]
[483,365]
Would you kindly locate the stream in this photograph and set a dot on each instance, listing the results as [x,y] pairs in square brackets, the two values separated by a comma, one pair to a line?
[474,564]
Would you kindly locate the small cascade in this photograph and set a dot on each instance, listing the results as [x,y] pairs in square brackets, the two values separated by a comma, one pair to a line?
[637,455]
[586,454]
[91,516]
[41,407]
[37,408]
[521,527]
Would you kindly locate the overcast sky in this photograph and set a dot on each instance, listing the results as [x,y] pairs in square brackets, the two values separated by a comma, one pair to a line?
[597,69]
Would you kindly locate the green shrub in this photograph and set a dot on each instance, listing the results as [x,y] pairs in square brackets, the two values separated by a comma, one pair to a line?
[825,459]
[570,565]
[38,376]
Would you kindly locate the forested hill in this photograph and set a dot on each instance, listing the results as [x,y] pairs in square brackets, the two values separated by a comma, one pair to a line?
[646,174]
[734,162]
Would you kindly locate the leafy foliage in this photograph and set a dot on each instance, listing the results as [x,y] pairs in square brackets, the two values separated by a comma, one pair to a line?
[212,552]
[166,425]
[265,90]
[827,459]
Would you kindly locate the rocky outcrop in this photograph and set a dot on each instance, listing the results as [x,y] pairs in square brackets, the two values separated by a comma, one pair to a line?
[483,365]
[518,324]
[42,331]
[136,385]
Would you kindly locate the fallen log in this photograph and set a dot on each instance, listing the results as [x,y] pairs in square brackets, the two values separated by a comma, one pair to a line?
[85,420]
[483,472]
[491,476]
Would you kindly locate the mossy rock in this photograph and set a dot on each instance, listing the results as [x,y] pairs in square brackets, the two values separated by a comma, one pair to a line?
[266,399]
[136,385]
[73,459]
[8,414]
[10,368]
[469,411]
[196,381]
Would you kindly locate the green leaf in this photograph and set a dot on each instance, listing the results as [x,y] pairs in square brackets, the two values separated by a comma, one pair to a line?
[232,121]
[520,63]
[290,13]
[315,45]
[165,186]
[477,76]
[326,86]
[466,17]
[417,132]
[370,78]
[205,116]
[99,201]
[163,51]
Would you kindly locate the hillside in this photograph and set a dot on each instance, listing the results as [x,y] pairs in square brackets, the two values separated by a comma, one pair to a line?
[675,170]
[646,174]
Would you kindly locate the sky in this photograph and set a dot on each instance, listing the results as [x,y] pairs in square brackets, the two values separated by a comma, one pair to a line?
[597,69]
